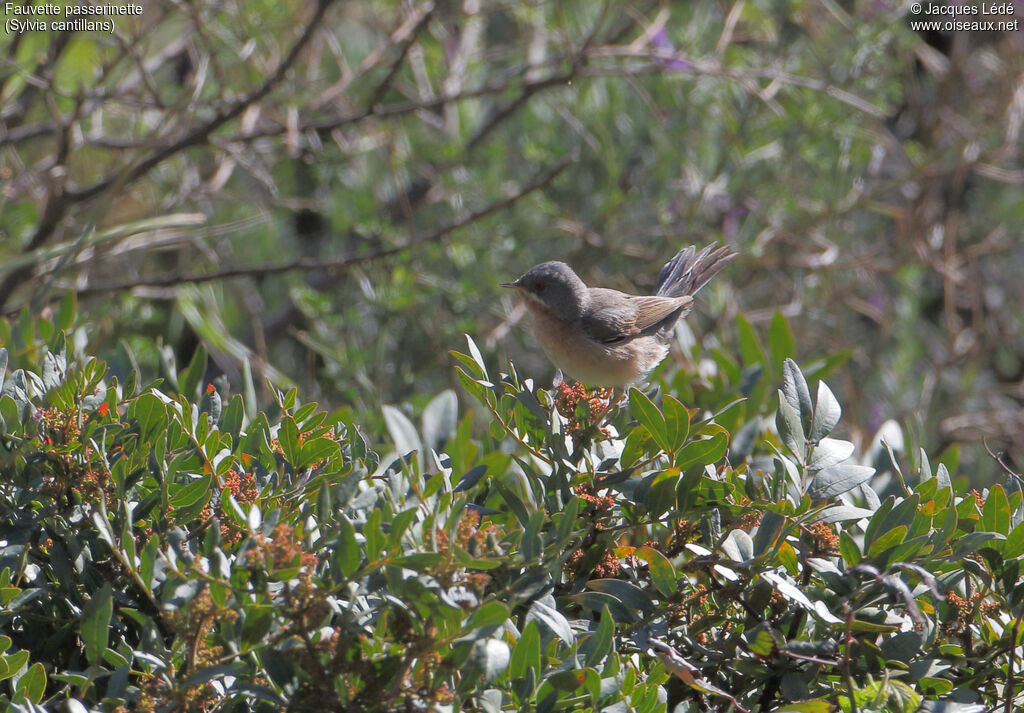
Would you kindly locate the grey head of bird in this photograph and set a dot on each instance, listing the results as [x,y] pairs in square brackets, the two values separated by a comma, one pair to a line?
[554,287]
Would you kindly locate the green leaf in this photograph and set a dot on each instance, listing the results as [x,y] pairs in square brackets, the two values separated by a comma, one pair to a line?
[661,495]
[750,345]
[1014,546]
[95,624]
[32,684]
[662,572]
[706,451]
[316,450]
[932,686]
[818,705]
[599,644]
[677,422]
[374,534]
[490,615]
[650,418]
[890,539]
[972,541]
[151,414]
[781,343]
[399,524]
[190,377]
[995,514]
[12,663]
[530,543]
[288,437]
[191,494]
[347,554]
[848,549]
[514,502]
[526,654]
[232,417]
[565,521]
[762,643]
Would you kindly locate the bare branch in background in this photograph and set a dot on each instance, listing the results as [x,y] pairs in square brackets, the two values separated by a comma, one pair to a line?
[339,264]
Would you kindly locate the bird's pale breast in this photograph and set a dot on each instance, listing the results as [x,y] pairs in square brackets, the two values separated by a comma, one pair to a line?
[593,363]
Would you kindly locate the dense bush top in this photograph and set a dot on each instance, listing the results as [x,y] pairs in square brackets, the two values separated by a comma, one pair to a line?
[167,548]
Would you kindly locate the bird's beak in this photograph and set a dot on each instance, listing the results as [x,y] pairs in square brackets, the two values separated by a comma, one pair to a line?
[510,284]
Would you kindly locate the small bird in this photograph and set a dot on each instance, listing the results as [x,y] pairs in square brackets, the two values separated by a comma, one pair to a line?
[608,338]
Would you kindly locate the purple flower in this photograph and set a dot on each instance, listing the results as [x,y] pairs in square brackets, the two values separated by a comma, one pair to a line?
[662,43]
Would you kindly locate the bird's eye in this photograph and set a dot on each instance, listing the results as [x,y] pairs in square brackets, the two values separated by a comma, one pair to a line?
[538,286]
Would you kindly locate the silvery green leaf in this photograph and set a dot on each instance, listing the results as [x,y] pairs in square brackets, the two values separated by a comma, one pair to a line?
[490,701]
[951,707]
[942,475]
[791,431]
[788,590]
[794,386]
[828,452]
[629,594]
[838,479]
[826,413]
[924,471]
[440,418]
[870,496]
[821,609]
[551,619]
[489,657]
[401,430]
[477,356]
[842,513]
[52,373]
[887,442]
[726,573]
[738,546]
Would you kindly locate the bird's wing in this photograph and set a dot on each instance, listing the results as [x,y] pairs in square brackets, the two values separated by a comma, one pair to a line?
[652,310]
[615,317]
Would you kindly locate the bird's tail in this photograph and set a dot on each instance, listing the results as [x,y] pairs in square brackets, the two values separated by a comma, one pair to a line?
[689,270]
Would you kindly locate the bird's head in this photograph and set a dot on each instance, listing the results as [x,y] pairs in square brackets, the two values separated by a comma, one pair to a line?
[553,287]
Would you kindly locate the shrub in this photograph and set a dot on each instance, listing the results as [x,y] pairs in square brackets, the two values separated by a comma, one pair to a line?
[163,550]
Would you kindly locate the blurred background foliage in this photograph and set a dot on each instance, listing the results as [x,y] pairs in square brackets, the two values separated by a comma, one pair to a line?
[327,193]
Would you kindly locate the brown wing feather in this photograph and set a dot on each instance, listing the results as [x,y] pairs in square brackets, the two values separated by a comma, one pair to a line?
[652,310]
[615,316]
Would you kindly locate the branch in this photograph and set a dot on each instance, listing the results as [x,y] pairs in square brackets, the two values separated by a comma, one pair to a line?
[324,127]
[200,133]
[60,198]
[339,264]
[407,38]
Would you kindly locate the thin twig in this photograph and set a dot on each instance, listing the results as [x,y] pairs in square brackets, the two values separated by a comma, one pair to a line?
[338,264]
[200,133]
